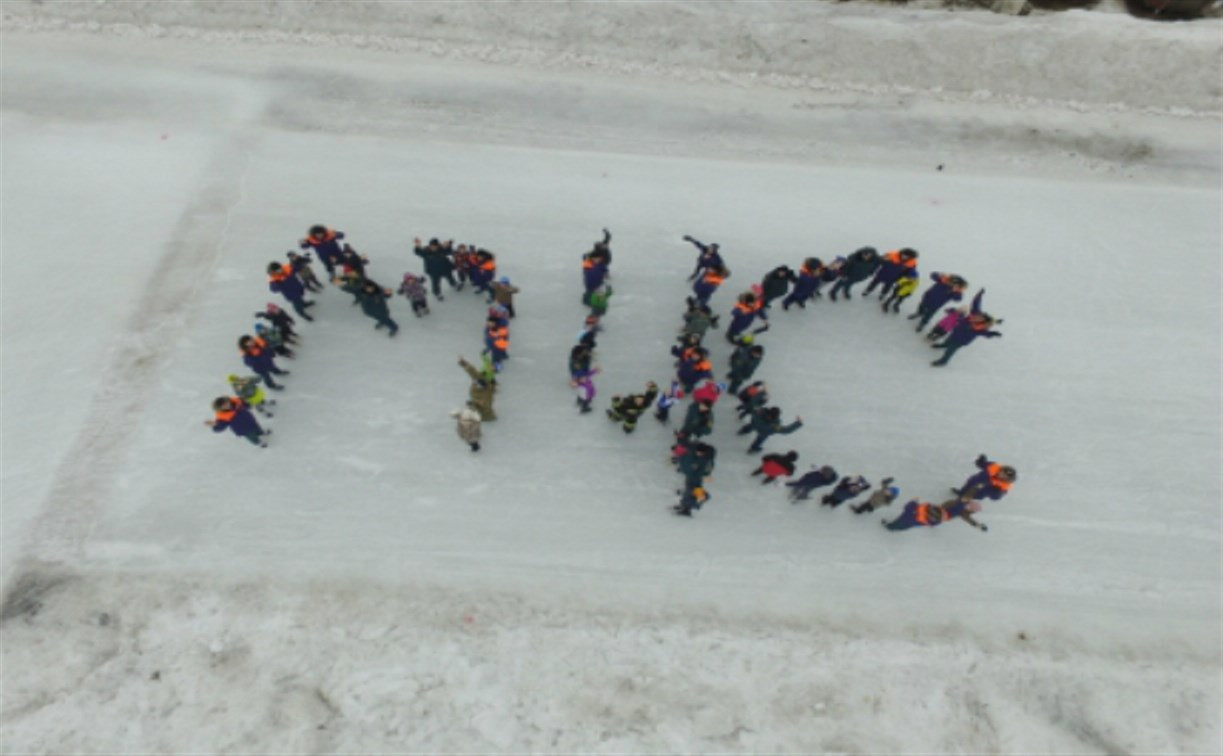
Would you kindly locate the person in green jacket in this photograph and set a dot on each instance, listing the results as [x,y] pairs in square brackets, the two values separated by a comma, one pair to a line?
[483,388]
[599,299]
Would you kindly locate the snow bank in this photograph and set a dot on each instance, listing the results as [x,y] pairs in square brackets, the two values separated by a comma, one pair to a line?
[1076,59]
[201,665]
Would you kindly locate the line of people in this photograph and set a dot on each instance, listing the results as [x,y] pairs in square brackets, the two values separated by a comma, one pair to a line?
[896,278]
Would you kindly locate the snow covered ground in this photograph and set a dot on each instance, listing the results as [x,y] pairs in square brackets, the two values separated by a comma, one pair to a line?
[369,585]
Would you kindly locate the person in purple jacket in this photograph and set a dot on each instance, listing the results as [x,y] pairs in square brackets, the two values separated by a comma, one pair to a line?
[283,280]
[991,481]
[806,284]
[891,266]
[946,288]
[964,333]
[258,356]
[709,258]
[231,413]
[594,273]
[325,243]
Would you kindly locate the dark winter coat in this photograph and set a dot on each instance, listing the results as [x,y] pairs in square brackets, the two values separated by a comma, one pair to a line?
[709,257]
[942,292]
[848,488]
[965,332]
[327,247]
[805,285]
[242,423]
[742,316]
[261,361]
[290,286]
[743,363]
[777,283]
[594,272]
[814,479]
[698,421]
[438,261]
[860,265]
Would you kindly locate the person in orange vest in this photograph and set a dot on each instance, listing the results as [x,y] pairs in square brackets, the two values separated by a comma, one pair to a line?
[482,273]
[806,284]
[326,244]
[497,340]
[992,481]
[745,312]
[231,413]
[282,279]
[774,466]
[922,514]
[258,356]
[708,283]
[891,267]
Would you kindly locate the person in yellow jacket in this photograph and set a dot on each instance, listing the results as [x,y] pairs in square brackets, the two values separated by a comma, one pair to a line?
[251,393]
[902,290]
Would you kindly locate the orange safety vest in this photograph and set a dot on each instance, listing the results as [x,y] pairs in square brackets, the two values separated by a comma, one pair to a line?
[927,512]
[744,307]
[489,265]
[285,272]
[993,471]
[224,416]
[713,278]
[327,236]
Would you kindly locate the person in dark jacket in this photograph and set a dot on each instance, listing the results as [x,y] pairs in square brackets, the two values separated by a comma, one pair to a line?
[281,280]
[709,281]
[766,423]
[891,266]
[847,489]
[708,259]
[601,250]
[439,264]
[281,319]
[745,312]
[921,514]
[698,421]
[776,284]
[817,478]
[326,244]
[991,481]
[752,398]
[694,367]
[774,466]
[258,356]
[352,261]
[301,266]
[858,267]
[231,413]
[743,363]
[372,299]
[806,284]
[628,409]
[964,333]
[594,273]
[947,288]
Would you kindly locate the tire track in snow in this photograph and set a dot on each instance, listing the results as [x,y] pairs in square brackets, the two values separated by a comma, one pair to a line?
[84,481]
